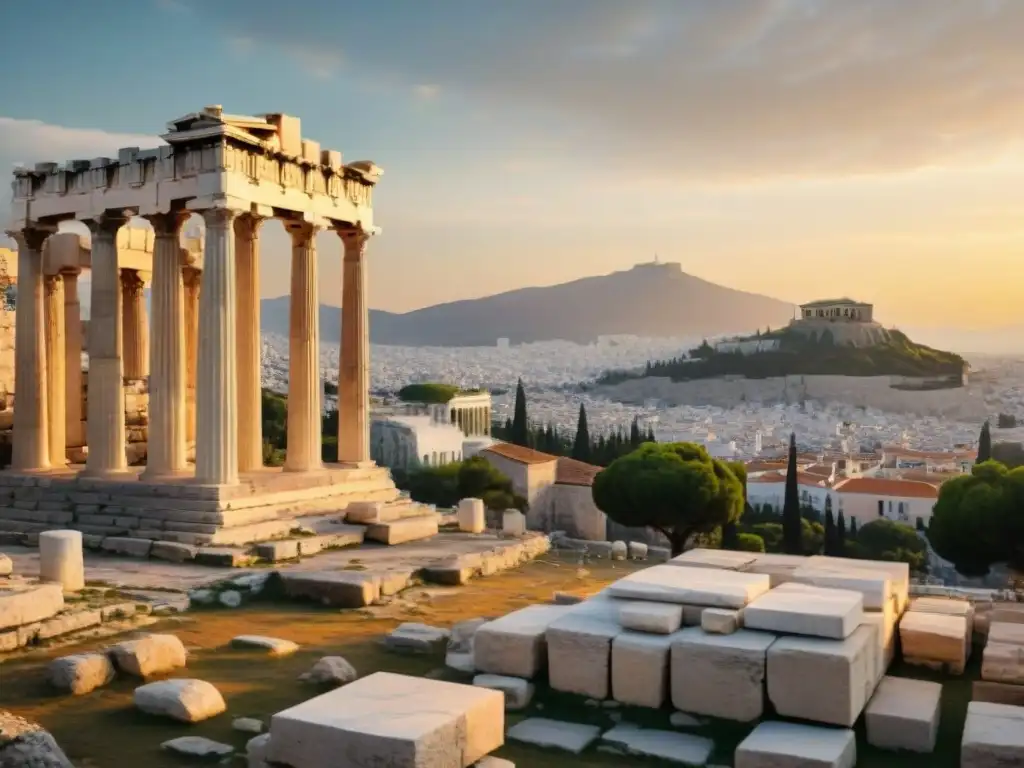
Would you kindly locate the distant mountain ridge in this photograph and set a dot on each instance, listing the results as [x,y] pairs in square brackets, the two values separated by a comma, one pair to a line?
[647,300]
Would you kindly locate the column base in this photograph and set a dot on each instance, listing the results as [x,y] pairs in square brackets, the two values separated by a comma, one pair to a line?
[357,464]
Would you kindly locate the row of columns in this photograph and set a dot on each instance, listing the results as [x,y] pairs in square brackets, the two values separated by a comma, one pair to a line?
[474,421]
[220,396]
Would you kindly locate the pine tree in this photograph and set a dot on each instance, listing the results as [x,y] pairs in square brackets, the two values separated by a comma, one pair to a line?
[581,445]
[841,535]
[985,444]
[792,525]
[520,432]
[635,437]
[831,534]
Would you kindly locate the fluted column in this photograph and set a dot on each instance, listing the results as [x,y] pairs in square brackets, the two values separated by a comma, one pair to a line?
[193,285]
[72,362]
[56,383]
[31,449]
[354,363]
[166,452]
[134,324]
[250,400]
[304,387]
[105,421]
[216,383]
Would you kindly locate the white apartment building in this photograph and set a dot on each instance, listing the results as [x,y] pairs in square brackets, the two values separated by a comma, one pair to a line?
[904,501]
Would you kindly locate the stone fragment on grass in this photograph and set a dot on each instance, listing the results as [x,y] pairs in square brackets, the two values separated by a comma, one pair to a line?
[415,638]
[330,670]
[554,734]
[518,692]
[149,655]
[81,673]
[230,598]
[247,725]
[189,701]
[274,646]
[197,746]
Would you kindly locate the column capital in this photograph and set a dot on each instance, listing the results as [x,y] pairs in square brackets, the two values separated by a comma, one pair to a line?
[30,238]
[192,277]
[106,224]
[168,224]
[220,217]
[248,225]
[302,231]
[132,283]
[52,282]
[355,239]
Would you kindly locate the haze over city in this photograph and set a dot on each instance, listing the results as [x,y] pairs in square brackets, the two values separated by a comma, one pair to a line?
[791,148]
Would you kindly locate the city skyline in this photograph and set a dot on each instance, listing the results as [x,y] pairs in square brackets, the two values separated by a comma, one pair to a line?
[795,149]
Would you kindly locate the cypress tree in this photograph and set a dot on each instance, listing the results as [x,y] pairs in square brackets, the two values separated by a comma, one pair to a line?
[791,521]
[841,535]
[601,451]
[520,432]
[635,437]
[581,445]
[853,529]
[831,535]
[507,429]
[650,435]
[985,444]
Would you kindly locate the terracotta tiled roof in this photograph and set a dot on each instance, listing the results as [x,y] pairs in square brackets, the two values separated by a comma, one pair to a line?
[759,465]
[910,453]
[519,454]
[818,469]
[573,472]
[881,486]
[769,477]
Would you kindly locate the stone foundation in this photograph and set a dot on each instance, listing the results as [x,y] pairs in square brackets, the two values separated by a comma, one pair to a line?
[264,505]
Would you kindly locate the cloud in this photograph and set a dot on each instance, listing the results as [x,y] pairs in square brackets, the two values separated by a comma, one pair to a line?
[701,89]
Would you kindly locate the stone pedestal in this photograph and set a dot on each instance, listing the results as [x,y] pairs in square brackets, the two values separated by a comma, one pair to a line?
[31,449]
[471,516]
[74,433]
[250,399]
[513,522]
[56,387]
[60,559]
[304,387]
[135,324]
[354,364]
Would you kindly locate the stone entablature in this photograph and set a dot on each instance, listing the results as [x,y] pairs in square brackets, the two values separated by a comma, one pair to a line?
[471,412]
[838,309]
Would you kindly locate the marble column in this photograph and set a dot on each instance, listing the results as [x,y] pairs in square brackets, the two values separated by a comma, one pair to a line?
[216,382]
[354,362]
[31,449]
[304,387]
[193,283]
[134,324]
[73,432]
[166,452]
[56,383]
[249,343]
[105,429]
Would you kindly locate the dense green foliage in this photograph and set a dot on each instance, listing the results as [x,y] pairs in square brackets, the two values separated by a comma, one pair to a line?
[677,489]
[445,485]
[428,392]
[581,444]
[603,450]
[831,532]
[749,542]
[799,354]
[888,540]
[984,444]
[978,520]
[791,542]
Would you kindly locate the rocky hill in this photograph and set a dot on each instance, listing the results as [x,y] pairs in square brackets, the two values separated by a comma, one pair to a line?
[647,300]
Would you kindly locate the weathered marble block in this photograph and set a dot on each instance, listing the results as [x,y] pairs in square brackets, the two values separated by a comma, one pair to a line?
[389,719]
[720,675]
[789,745]
[685,748]
[899,574]
[722,559]
[515,644]
[1006,632]
[692,586]
[513,522]
[61,560]
[149,655]
[645,616]
[778,568]
[875,586]
[27,606]
[799,609]
[934,639]
[1003,663]
[904,714]
[580,646]
[826,681]
[884,632]
[471,516]
[554,734]
[518,692]
[993,736]
[720,621]
[640,669]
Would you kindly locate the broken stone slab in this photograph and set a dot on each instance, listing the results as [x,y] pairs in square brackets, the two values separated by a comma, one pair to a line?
[130,547]
[721,559]
[173,552]
[720,621]
[330,670]
[518,692]
[197,746]
[640,665]
[842,672]
[993,736]
[23,743]
[274,646]
[149,655]
[874,586]
[554,734]
[67,622]
[579,648]
[932,638]
[693,586]
[904,714]
[797,609]
[81,673]
[247,725]
[389,719]
[645,616]
[720,675]
[673,747]
[19,607]
[189,701]
[412,637]
[342,589]
[224,557]
[278,551]
[256,750]
[789,745]
[1003,663]
[515,644]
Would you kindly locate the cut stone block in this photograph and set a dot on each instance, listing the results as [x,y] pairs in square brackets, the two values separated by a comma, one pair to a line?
[471,516]
[805,610]
[998,693]
[274,646]
[27,606]
[518,692]
[60,559]
[932,638]
[826,681]
[81,673]
[720,675]
[645,616]
[904,714]
[363,512]
[778,568]
[150,655]
[1003,663]
[344,589]
[554,734]
[515,644]
[675,747]
[789,745]
[389,719]
[1006,615]
[637,550]
[1006,633]
[579,648]
[874,586]
[884,631]
[993,736]
[460,654]
[691,586]
[401,531]
[899,574]
[640,669]
[722,559]
[944,605]
[189,701]
[720,621]
[513,522]
[412,637]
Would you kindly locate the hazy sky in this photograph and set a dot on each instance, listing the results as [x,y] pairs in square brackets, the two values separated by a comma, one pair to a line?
[797,148]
